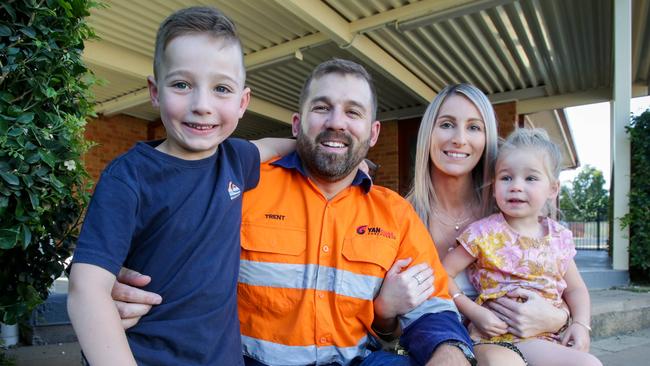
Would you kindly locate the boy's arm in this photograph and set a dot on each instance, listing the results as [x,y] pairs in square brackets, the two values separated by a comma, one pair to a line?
[576,296]
[95,318]
[270,147]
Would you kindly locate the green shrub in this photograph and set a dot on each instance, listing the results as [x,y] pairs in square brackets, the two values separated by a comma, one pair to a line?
[638,218]
[44,103]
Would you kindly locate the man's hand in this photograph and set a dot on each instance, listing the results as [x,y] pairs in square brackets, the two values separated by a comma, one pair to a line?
[131,302]
[529,318]
[446,354]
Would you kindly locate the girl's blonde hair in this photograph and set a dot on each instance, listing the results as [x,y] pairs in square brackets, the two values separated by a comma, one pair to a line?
[422,195]
[537,139]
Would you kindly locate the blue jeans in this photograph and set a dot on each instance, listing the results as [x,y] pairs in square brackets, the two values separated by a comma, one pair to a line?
[377,358]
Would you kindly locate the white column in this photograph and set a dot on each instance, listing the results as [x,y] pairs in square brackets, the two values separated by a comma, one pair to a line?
[620,113]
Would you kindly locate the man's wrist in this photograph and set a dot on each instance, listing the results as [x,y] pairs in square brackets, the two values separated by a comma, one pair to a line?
[464,348]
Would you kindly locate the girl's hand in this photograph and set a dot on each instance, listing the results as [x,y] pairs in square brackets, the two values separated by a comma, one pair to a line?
[576,336]
[487,323]
[404,290]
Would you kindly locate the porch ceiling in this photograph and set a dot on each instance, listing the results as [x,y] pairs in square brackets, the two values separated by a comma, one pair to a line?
[545,55]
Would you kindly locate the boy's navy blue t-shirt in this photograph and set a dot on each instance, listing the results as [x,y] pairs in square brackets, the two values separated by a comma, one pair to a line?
[179,222]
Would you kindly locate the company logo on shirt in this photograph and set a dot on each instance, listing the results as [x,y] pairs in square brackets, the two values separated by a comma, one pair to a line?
[370,230]
[233,190]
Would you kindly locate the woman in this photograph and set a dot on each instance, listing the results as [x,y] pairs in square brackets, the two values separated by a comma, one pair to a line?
[456,147]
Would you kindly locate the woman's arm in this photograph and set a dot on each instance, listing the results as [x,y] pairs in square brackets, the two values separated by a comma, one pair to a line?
[483,319]
[529,318]
[271,147]
[402,291]
[577,297]
[94,317]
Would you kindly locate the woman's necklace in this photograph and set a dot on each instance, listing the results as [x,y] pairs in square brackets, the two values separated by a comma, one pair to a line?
[455,222]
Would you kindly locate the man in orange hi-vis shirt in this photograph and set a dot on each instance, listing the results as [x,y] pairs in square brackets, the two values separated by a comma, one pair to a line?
[318,239]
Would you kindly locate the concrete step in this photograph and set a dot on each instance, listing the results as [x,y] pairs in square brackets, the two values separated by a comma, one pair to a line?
[598,279]
[619,311]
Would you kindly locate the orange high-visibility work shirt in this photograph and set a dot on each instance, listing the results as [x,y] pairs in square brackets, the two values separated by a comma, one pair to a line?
[311,267]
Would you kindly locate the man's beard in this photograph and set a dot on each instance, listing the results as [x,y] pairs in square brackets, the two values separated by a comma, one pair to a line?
[327,166]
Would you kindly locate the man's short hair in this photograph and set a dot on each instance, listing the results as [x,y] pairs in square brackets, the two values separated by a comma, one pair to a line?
[194,20]
[341,67]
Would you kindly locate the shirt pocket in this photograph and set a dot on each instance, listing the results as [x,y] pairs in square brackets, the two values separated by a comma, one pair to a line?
[379,251]
[273,240]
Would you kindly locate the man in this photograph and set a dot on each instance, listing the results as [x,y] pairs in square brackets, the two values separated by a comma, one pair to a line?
[318,240]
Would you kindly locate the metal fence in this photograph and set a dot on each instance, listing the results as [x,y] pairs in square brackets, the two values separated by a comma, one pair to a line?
[590,235]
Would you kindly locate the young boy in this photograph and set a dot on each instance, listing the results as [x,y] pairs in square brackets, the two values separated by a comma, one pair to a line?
[172,209]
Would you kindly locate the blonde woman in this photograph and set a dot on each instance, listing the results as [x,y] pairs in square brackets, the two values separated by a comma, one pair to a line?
[456,149]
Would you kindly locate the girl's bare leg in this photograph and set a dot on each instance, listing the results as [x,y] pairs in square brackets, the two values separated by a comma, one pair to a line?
[495,355]
[541,352]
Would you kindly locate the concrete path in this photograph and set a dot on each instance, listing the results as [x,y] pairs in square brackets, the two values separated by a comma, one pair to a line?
[621,350]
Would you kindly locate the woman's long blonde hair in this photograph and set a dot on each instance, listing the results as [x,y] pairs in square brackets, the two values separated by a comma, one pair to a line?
[422,195]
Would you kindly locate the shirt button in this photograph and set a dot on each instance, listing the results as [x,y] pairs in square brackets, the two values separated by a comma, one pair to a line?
[326,248]
[323,340]
[321,295]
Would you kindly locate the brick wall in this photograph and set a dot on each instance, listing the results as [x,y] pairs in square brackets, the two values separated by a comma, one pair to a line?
[115,135]
[506,117]
[112,136]
[385,153]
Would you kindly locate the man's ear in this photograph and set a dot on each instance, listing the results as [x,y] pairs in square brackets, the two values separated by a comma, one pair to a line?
[374,132]
[295,124]
[153,91]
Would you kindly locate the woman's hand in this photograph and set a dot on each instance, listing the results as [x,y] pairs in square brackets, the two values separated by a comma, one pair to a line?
[576,336]
[404,290]
[132,303]
[529,318]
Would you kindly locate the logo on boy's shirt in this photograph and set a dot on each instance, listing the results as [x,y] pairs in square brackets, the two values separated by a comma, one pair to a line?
[233,190]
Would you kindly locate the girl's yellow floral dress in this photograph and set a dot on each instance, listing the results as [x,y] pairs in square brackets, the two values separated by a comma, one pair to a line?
[506,260]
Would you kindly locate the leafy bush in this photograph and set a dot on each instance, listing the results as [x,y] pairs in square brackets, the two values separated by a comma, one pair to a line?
[637,218]
[585,199]
[44,102]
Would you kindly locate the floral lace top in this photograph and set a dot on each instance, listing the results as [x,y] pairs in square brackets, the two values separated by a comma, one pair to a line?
[506,260]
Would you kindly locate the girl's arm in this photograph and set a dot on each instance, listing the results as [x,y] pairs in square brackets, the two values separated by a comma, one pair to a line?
[483,319]
[95,318]
[271,147]
[577,297]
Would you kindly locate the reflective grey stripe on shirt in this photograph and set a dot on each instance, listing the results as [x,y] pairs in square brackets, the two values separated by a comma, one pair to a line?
[433,305]
[310,276]
[275,354]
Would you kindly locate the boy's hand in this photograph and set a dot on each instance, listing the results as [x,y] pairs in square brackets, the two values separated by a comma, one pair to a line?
[576,336]
[132,303]
[488,323]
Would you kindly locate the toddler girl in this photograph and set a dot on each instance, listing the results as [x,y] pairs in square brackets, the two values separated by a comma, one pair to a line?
[520,248]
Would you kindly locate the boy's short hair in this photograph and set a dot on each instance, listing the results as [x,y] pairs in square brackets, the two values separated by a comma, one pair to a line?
[341,67]
[194,20]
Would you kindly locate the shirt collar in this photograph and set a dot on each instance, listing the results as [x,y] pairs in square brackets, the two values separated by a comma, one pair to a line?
[292,161]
